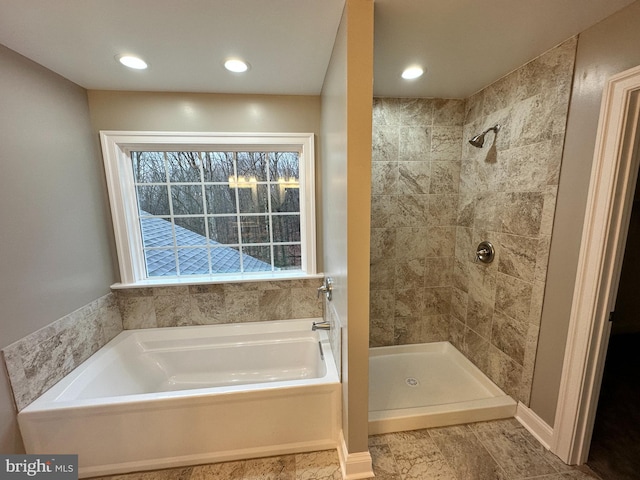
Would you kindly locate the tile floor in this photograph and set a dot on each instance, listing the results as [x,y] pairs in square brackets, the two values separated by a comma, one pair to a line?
[500,450]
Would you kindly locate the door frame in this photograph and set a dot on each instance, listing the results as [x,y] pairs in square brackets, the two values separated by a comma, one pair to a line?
[613,179]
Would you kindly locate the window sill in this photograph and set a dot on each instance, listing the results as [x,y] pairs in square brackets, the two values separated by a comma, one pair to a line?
[211,280]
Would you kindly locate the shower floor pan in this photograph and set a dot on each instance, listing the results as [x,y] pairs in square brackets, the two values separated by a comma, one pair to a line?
[429,385]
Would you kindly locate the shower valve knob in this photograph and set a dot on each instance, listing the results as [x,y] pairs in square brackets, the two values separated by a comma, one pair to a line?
[485,252]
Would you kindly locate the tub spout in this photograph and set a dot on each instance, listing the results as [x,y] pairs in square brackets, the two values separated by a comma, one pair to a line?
[324,325]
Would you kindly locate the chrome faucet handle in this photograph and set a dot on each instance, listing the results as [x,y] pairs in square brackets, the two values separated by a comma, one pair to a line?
[326,288]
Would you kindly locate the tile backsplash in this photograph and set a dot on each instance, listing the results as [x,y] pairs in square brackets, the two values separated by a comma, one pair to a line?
[219,303]
[38,361]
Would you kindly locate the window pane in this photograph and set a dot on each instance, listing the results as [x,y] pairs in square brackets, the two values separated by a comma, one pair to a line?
[153,199]
[223,229]
[285,198]
[286,228]
[193,261]
[217,166]
[284,167]
[148,167]
[190,231]
[253,199]
[187,199]
[256,259]
[156,232]
[252,166]
[220,199]
[160,262]
[254,229]
[287,257]
[183,166]
[225,260]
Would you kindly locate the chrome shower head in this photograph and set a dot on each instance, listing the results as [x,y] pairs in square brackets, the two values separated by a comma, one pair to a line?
[478,140]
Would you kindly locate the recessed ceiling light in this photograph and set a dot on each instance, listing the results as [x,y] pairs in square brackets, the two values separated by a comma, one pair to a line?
[412,72]
[236,66]
[132,62]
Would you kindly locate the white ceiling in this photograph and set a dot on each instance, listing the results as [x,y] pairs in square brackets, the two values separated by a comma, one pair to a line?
[464,44]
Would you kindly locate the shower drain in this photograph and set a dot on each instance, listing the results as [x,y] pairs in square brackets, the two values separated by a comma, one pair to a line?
[412,382]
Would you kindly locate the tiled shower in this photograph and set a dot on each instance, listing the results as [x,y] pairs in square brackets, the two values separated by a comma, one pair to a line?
[435,198]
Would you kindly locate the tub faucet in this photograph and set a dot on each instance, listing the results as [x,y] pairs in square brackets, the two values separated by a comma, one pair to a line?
[324,325]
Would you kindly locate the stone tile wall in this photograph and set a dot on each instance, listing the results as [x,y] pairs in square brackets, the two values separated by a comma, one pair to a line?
[415,178]
[38,361]
[425,285]
[507,196]
[219,303]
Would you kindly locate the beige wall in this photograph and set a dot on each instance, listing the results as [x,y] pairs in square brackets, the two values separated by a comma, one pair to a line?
[603,50]
[346,143]
[55,255]
[208,112]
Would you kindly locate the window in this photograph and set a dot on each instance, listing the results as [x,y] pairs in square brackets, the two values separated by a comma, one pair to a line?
[207,207]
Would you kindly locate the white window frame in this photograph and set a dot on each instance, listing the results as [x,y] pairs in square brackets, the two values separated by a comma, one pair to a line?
[116,149]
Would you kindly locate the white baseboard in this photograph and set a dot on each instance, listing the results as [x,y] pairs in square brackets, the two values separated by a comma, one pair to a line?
[536,426]
[354,465]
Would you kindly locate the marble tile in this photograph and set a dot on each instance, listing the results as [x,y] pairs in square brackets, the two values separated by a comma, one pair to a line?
[137,312]
[509,335]
[383,243]
[443,210]
[446,143]
[415,111]
[169,474]
[479,317]
[537,299]
[504,372]
[438,271]
[445,177]
[436,328]
[381,331]
[385,141]
[420,460]
[527,167]
[382,303]
[39,360]
[323,465]
[242,306]
[456,333]
[466,210]
[440,241]
[437,300]
[513,296]
[275,305]
[518,256]
[386,111]
[410,273]
[382,274]
[409,330]
[515,454]
[459,300]
[271,468]
[468,458]
[384,211]
[173,311]
[549,195]
[410,242]
[413,178]
[473,107]
[542,258]
[414,144]
[409,303]
[384,464]
[460,275]
[384,178]
[208,308]
[219,471]
[305,302]
[448,112]
[413,211]
[476,348]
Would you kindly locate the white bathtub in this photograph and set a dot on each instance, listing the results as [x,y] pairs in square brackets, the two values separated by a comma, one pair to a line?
[166,397]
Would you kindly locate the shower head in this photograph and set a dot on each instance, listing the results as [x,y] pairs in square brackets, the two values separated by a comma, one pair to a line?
[478,140]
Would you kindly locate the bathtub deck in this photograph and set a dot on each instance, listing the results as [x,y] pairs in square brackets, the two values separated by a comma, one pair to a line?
[429,385]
